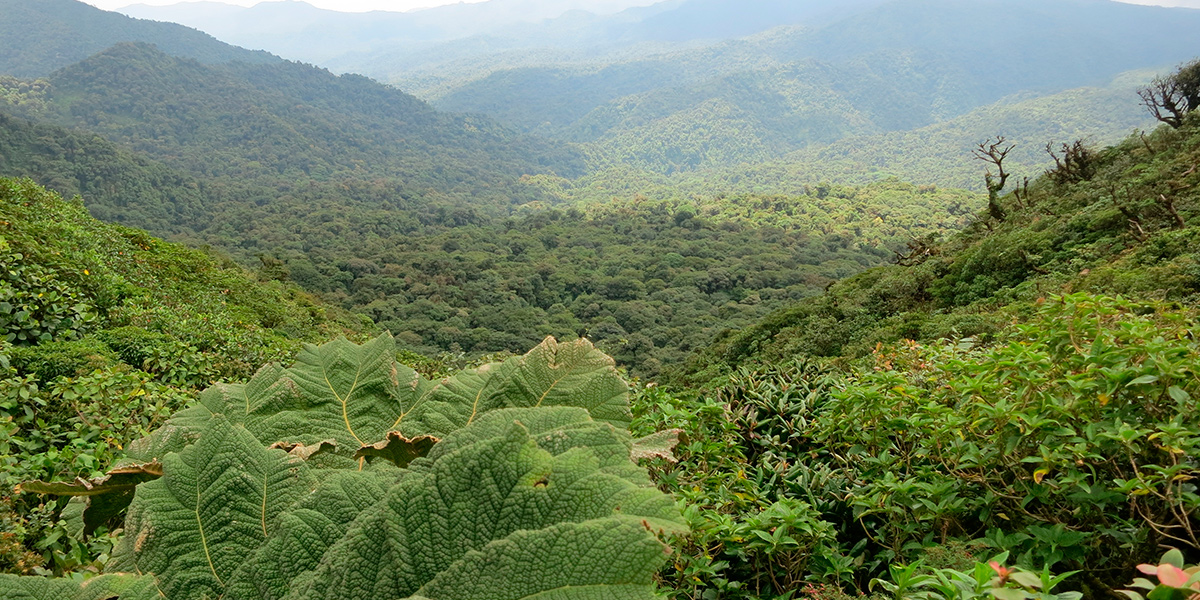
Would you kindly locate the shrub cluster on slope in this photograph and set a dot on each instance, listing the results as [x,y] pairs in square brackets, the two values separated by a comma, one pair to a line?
[1070,443]
[990,395]
[108,330]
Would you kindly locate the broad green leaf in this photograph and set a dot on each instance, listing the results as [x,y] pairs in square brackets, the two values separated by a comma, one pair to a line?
[552,374]
[462,501]
[214,505]
[107,587]
[303,533]
[353,394]
[604,559]
[555,430]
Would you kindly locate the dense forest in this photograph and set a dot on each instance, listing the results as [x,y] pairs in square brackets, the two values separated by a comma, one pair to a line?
[275,333]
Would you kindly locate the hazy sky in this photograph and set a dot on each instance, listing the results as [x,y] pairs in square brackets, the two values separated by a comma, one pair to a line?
[342,5]
[365,5]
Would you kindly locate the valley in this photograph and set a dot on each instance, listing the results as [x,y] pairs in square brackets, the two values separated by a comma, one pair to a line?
[620,298]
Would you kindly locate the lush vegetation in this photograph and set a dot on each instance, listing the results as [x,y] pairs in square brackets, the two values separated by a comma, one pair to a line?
[989,396]
[1122,225]
[107,331]
[650,279]
[351,476]
[1067,442]
[1007,412]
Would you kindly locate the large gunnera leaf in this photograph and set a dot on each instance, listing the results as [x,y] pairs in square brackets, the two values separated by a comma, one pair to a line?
[352,397]
[107,587]
[216,503]
[512,481]
[488,496]
[552,374]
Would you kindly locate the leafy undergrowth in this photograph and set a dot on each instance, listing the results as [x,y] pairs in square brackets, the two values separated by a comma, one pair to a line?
[351,476]
[106,332]
[1071,442]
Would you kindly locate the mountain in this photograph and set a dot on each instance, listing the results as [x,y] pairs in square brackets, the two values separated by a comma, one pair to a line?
[284,122]
[300,31]
[40,36]
[900,66]
[938,154]
[119,185]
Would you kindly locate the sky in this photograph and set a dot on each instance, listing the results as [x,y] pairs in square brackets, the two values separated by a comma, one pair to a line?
[402,5]
[342,5]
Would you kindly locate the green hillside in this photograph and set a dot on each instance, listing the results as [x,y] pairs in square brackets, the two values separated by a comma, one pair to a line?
[1010,412]
[38,37]
[893,69]
[106,331]
[119,185]
[257,123]
[1114,231]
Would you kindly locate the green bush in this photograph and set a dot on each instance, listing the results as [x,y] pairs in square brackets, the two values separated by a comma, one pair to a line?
[35,305]
[51,360]
[1070,441]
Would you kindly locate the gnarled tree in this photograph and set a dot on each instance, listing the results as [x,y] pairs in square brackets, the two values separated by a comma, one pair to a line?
[1171,97]
[994,154]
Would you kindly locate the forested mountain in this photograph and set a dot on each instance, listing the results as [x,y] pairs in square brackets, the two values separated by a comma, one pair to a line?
[300,31]
[897,67]
[670,87]
[649,280]
[261,125]
[933,155]
[40,36]
[119,185]
[371,198]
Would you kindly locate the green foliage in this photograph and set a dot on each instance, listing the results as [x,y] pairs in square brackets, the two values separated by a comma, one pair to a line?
[35,306]
[50,360]
[529,488]
[1130,229]
[1069,441]
[1176,580]
[130,327]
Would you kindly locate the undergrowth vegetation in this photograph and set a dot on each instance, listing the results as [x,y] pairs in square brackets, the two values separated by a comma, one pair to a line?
[1069,442]
[107,331]
[349,475]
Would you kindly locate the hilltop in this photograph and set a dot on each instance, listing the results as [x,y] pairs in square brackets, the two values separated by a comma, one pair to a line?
[38,37]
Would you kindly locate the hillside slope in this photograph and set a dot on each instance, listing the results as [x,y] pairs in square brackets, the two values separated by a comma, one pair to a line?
[39,36]
[1126,223]
[118,185]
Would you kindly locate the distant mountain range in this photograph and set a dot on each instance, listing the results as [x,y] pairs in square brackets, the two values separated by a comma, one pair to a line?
[673,87]
[39,36]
